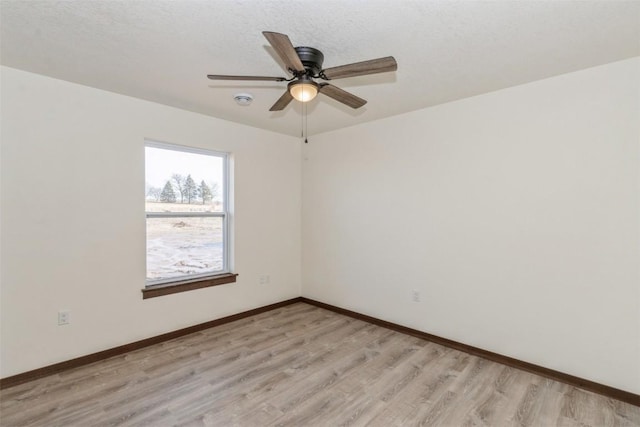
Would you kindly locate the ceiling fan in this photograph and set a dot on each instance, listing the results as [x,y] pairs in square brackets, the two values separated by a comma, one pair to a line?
[305,64]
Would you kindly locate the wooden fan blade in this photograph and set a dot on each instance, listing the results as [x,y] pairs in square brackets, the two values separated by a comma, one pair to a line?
[285,50]
[222,77]
[284,100]
[373,66]
[341,95]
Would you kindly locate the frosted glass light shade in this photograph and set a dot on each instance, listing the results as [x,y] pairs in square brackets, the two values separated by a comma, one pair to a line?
[303,91]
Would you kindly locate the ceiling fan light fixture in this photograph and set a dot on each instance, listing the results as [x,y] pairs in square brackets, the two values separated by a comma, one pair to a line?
[304,89]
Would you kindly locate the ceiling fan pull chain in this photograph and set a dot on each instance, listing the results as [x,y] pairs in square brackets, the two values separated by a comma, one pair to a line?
[306,123]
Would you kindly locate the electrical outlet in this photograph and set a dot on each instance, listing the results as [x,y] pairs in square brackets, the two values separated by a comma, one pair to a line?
[264,279]
[64,317]
[415,295]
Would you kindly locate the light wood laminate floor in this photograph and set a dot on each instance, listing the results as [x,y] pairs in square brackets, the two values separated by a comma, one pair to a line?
[304,366]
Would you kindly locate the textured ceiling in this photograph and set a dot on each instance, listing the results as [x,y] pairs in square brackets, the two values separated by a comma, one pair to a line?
[446,50]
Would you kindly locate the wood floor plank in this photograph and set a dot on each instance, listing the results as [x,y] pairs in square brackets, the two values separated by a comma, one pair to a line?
[280,384]
[393,389]
[301,365]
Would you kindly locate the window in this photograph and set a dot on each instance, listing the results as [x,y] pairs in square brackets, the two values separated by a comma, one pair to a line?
[186,199]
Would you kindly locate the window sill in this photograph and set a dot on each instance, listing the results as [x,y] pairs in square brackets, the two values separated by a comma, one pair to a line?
[187,285]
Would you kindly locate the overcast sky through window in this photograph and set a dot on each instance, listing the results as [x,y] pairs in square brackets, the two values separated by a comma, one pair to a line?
[161,164]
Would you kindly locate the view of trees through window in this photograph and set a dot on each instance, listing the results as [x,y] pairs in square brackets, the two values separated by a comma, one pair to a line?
[181,189]
[186,218]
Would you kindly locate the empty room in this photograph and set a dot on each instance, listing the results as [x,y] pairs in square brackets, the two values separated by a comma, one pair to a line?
[337,213]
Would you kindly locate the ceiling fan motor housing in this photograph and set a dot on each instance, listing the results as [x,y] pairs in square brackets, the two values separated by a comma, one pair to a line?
[311,58]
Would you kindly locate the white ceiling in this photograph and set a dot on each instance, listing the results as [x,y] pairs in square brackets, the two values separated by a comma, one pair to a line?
[446,50]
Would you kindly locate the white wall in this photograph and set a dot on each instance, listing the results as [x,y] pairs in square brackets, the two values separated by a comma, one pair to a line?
[515,214]
[73,223]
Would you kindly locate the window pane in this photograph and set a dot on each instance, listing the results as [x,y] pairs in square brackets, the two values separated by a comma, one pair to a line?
[183,246]
[152,206]
[182,181]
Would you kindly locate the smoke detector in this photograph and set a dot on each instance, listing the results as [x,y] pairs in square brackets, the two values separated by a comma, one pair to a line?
[243,99]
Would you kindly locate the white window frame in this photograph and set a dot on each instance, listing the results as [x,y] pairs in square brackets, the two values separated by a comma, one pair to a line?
[224,214]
